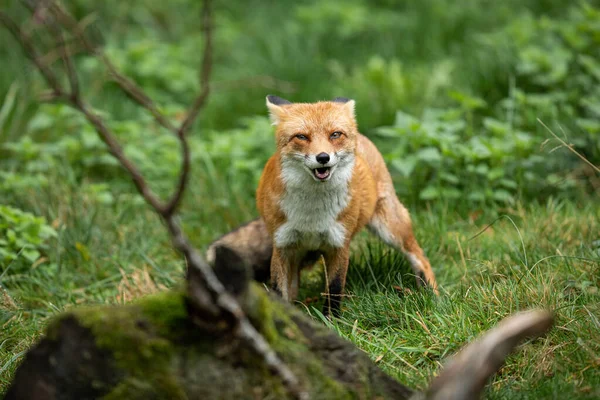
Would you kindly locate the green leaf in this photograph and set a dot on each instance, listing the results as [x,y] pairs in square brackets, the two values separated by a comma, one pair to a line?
[11,236]
[405,165]
[495,173]
[476,196]
[479,149]
[481,169]
[429,193]
[503,196]
[429,154]
[507,183]
[591,65]
[467,101]
[496,127]
[30,255]
[405,121]
[450,178]
[451,193]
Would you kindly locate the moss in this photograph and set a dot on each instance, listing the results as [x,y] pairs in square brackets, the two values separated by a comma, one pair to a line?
[166,308]
[260,312]
[322,385]
[160,387]
[273,319]
[139,338]
[160,354]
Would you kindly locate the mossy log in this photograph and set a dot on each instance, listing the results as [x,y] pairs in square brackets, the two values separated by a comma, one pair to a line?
[173,346]
[152,350]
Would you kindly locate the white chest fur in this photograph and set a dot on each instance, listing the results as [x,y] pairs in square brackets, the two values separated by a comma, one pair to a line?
[312,208]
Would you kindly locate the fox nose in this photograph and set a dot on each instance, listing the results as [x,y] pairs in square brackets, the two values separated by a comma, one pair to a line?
[323,158]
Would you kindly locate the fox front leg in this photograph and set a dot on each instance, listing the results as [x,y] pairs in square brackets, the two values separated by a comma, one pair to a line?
[280,274]
[285,273]
[336,264]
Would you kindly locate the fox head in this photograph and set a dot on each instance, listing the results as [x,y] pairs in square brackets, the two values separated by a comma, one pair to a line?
[316,141]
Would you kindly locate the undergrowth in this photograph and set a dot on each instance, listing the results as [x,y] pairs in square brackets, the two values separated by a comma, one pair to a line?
[450,94]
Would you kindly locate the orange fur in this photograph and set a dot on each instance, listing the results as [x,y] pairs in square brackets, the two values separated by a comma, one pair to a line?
[306,213]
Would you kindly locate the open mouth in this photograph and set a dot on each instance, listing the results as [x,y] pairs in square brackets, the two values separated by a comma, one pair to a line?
[322,173]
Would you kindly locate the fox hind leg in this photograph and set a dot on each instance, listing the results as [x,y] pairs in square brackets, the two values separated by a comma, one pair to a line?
[391,223]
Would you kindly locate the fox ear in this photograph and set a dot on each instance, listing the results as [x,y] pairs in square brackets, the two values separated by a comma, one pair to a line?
[274,104]
[348,103]
[341,100]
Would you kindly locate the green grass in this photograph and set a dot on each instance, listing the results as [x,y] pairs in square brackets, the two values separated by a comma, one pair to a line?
[543,255]
[474,79]
[546,260]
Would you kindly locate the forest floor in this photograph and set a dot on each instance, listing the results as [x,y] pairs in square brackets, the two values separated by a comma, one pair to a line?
[535,256]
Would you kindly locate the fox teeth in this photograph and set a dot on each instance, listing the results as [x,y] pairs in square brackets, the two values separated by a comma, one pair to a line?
[321,173]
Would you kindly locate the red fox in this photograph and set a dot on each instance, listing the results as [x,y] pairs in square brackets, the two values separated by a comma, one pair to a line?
[324,183]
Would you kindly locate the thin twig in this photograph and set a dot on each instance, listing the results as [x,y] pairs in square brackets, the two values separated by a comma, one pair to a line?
[194,110]
[222,299]
[27,45]
[56,53]
[67,60]
[127,85]
[568,146]
[226,302]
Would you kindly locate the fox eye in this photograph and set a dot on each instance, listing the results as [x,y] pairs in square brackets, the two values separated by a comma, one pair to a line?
[335,135]
[301,136]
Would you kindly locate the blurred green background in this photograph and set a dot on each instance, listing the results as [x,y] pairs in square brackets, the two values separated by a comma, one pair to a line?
[451,94]
[449,91]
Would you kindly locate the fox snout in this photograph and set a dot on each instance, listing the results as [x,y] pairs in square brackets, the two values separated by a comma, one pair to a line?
[321,164]
[322,158]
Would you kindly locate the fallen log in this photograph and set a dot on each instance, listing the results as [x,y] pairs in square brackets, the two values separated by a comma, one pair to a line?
[152,350]
[167,347]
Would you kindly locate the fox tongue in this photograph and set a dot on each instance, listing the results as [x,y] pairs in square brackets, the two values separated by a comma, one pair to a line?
[322,173]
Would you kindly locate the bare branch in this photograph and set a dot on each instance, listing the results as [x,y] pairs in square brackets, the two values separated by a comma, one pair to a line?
[56,53]
[194,110]
[117,151]
[27,45]
[466,374]
[135,93]
[64,52]
[51,97]
[227,303]
[208,291]
[128,86]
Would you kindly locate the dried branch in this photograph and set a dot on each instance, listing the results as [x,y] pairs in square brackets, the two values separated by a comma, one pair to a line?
[128,86]
[466,374]
[56,53]
[210,291]
[194,110]
[29,50]
[65,55]
[136,93]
